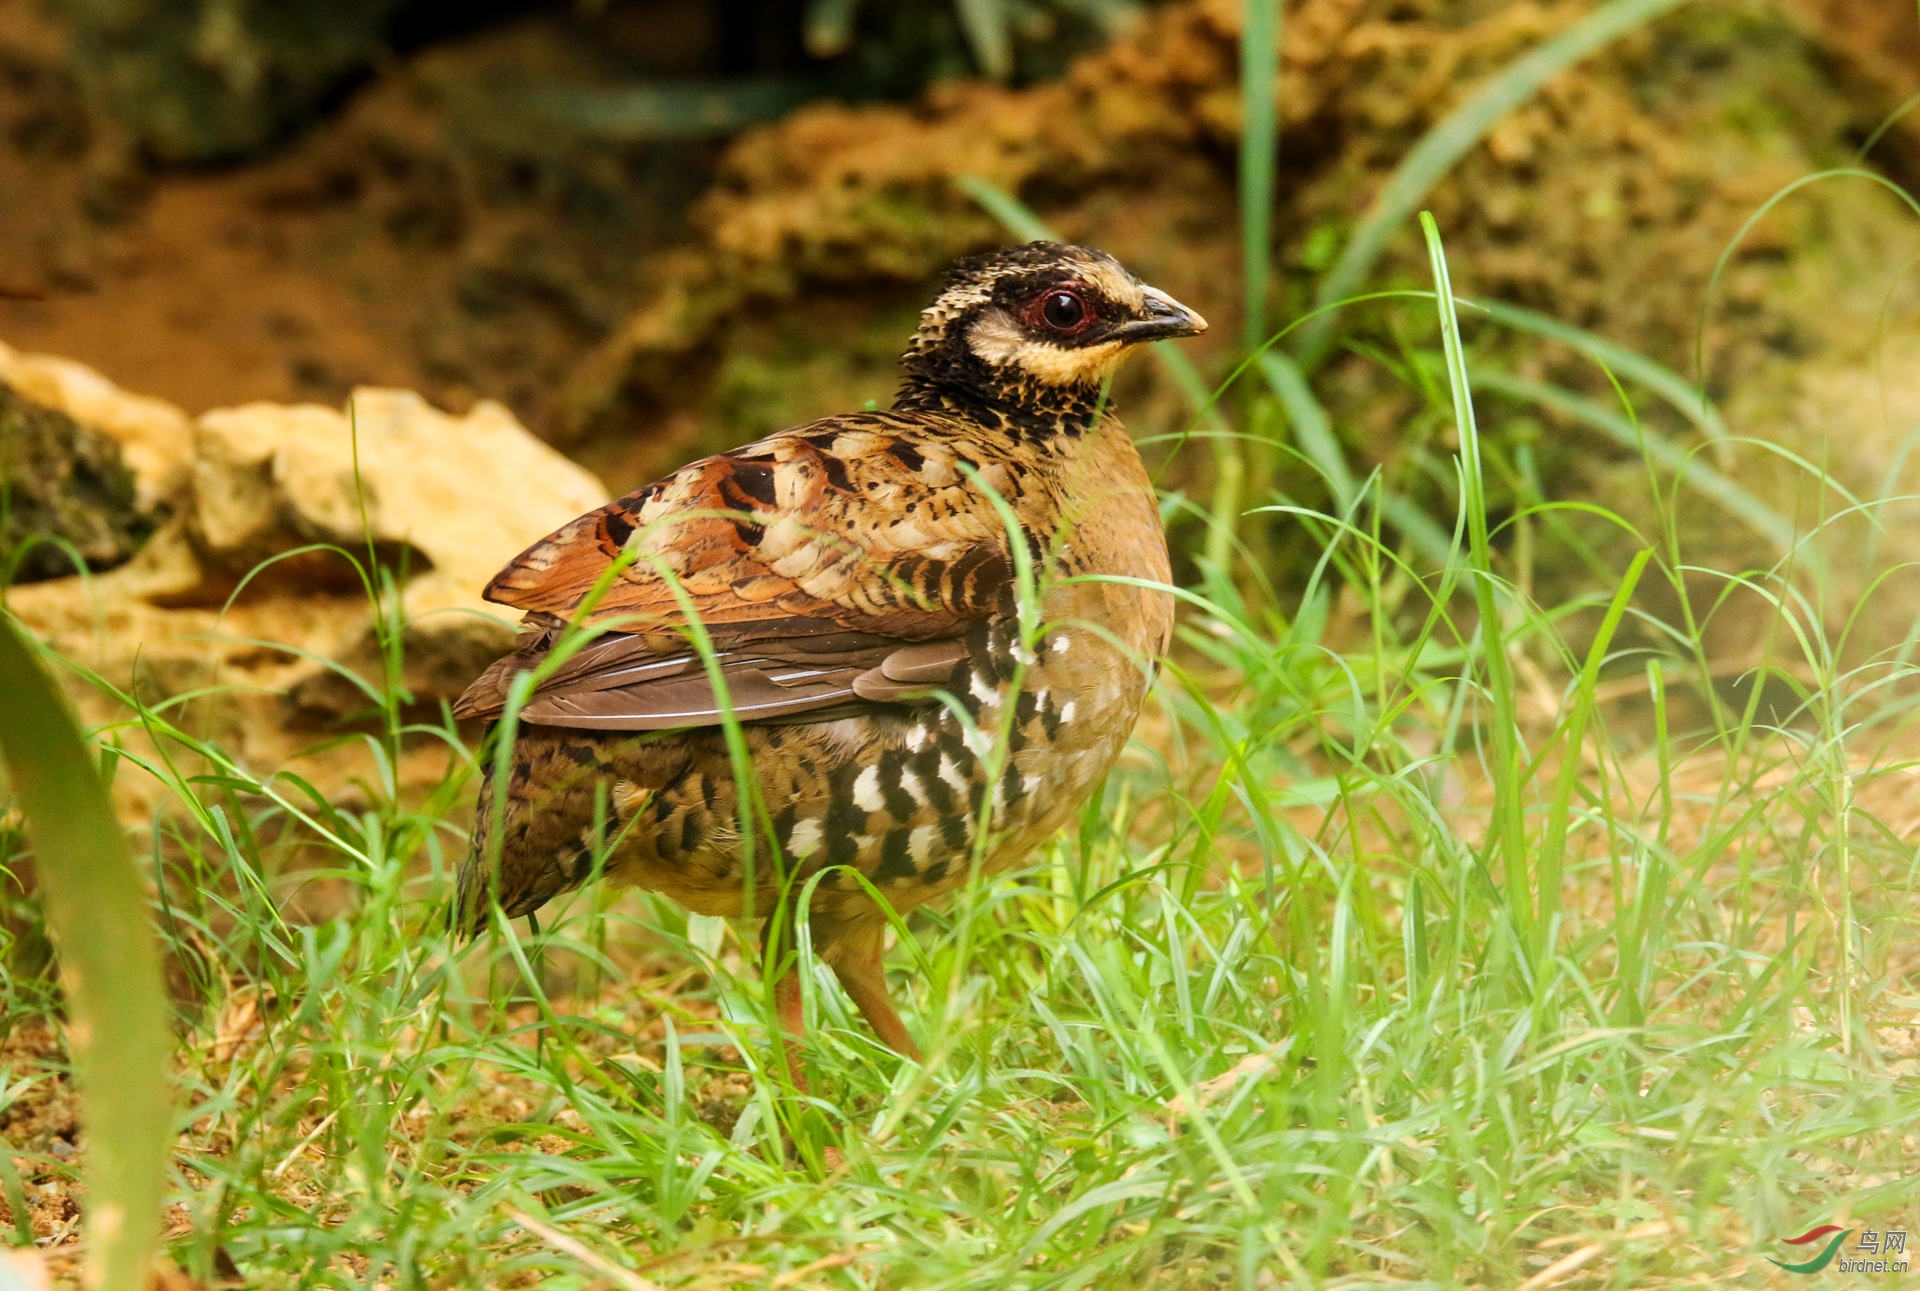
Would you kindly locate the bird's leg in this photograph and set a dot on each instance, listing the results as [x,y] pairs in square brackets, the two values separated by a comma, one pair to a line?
[793,1023]
[781,961]
[856,951]
[782,950]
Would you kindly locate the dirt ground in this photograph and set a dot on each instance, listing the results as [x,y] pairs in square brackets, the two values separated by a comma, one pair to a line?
[421,237]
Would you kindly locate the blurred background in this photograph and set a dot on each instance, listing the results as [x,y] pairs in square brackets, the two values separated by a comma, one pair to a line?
[653,228]
[640,223]
[1587,724]
[659,227]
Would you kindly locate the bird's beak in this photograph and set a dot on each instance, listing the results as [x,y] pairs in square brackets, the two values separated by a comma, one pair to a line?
[1165,318]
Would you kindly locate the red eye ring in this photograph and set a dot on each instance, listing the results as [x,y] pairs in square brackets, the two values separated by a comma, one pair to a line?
[1060,310]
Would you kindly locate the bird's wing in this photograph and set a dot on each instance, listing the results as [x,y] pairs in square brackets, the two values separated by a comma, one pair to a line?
[624,682]
[843,520]
[838,562]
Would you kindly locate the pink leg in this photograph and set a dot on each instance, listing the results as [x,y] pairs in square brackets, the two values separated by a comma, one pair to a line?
[793,1019]
[856,953]
[781,960]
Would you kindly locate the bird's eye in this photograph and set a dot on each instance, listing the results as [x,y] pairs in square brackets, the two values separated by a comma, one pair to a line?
[1063,312]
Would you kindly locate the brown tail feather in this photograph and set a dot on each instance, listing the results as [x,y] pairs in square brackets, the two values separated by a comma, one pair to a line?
[530,872]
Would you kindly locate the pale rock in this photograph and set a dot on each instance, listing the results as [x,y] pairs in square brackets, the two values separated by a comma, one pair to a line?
[448,499]
[262,661]
[466,493]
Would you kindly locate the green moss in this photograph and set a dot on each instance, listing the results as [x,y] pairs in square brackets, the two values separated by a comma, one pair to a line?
[777,373]
[64,489]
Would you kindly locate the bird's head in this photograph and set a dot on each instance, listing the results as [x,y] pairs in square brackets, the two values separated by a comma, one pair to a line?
[1036,329]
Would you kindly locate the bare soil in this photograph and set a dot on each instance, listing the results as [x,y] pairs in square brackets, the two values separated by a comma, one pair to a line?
[422,237]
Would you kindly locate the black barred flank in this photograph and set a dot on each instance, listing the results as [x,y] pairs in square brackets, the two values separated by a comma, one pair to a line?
[926,765]
[956,832]
[843,846]
[895,861]
[1012,787]
[900,803]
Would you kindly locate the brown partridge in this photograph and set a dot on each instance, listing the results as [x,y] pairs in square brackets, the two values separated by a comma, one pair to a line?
[907,714]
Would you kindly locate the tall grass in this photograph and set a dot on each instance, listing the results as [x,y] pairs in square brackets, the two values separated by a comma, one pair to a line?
[1429,933]
[109,966]
[1402,948]
[1442,147]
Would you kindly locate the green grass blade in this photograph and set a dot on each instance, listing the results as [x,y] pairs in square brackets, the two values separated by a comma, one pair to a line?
[1683,465]
[988,25]
[1005,207]
[1259,144]
[1509,824]
[1675,390]
[1553,843]
[1888,122]
[1452,138]
[96,906]
[1311,429]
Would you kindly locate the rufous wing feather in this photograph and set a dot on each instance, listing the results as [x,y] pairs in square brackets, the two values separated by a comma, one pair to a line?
[806,599]
[782,528]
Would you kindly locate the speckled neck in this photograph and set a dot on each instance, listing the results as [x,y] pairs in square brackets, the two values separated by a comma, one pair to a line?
[1022,407]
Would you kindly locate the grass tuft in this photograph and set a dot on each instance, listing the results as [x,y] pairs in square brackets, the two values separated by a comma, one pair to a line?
[1444,925]
[1428,933]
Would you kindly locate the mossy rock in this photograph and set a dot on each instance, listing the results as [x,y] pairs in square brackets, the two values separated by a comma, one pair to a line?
[64,482]
[211,79]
